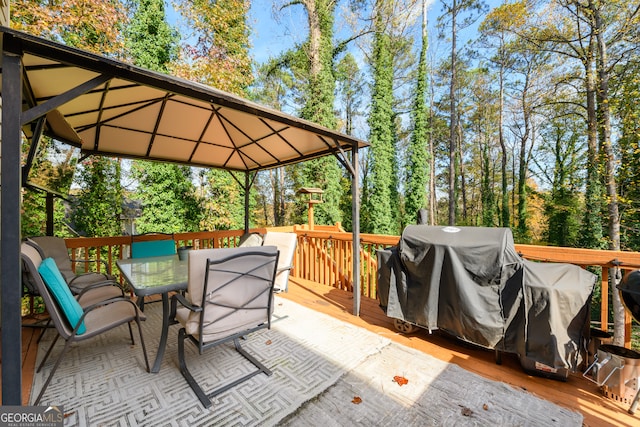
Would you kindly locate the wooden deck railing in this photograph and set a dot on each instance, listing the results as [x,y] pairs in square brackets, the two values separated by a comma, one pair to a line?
[325,256]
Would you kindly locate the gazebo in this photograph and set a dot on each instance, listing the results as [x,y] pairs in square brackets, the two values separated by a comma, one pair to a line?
[109,108]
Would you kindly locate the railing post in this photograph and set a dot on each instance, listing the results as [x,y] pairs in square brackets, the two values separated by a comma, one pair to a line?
[604,304]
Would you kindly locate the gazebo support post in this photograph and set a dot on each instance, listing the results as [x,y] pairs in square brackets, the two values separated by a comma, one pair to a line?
[355,220]
[10,277]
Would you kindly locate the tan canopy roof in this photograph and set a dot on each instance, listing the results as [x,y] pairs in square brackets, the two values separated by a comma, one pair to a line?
[110,108]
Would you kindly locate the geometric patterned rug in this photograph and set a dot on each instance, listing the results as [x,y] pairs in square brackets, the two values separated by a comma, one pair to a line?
[102,381]
[325,373]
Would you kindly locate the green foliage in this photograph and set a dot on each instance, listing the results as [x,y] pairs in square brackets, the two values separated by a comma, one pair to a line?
[168,198]
[223,202]
[53,168]
[319,97]
[629,171]
[380,207]
[417,171]
[217,48]
[149,39]
[565,147]
[98,205]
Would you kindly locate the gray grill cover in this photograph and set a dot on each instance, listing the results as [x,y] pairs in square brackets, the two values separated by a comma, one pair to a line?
[471,282]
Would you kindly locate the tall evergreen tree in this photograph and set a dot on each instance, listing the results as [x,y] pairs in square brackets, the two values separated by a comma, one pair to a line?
[166,190]
[150,41]
[381,207]
[417,171]
[168,198]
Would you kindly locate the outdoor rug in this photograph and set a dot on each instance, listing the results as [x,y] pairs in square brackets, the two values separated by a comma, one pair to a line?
[325,372]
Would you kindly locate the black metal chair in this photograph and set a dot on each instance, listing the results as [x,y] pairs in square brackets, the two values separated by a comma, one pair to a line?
[56,248]
[229,296]
[76,319]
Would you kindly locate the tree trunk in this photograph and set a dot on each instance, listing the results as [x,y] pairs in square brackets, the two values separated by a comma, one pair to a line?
[453,119]
[609,163]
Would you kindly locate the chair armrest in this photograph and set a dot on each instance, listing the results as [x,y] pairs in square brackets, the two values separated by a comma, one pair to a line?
[79,276]
[281,269]
[184,302]
[93,261]
[99,285]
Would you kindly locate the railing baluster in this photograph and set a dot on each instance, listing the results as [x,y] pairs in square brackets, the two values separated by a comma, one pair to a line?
[326,257]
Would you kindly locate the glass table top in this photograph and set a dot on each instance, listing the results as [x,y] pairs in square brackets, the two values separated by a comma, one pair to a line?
[154,275]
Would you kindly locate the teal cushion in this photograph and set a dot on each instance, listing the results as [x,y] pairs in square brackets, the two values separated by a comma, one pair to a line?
[61,292]
[150,248]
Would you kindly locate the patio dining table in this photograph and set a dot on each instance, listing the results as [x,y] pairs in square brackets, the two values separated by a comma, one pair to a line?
[153,276]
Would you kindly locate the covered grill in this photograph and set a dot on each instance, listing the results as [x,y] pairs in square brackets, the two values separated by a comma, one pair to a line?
[471,283]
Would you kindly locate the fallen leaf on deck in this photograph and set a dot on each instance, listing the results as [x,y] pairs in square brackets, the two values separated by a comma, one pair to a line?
[357,400]
[400,380]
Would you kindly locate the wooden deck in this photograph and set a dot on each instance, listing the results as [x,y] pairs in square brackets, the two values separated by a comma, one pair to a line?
[577,393]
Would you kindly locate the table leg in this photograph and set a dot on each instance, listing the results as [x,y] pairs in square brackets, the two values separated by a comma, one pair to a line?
[165,332]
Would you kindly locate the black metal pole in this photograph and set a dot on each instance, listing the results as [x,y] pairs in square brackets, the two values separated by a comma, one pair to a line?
[49,209]
[355,212]
[10,278]
[247,189]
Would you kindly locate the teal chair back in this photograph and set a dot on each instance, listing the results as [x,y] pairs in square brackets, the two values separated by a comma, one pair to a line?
[151,248]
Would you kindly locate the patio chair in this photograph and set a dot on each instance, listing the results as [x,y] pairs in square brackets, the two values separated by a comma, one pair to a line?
[90,294]
[250,239]
[72,321]
[56,248]
[142,247]
[229,295]
[286,244]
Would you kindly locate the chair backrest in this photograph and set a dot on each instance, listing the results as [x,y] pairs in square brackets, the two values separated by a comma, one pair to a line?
[31,259]
[56,248]
[234,287]
[142,247]
[250,239]
[286,244]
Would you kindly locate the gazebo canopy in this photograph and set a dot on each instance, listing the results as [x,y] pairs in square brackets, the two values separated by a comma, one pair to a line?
[110,108]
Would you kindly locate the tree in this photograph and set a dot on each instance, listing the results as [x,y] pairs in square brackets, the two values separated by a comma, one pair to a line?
[452,12]
[90,25]
[224,202]
[417,170]
[350,87]
[381,205]
[95,26]
[495,31]
[563,142]
[217,54]
[168,198]
[314,63]
[217,49]
[628,114]
[165,190]
[98,205]
[149,39]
